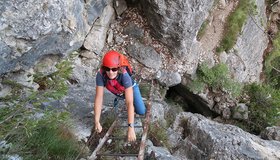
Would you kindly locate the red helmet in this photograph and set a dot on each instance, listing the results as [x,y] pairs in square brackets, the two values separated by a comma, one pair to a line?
[111,59]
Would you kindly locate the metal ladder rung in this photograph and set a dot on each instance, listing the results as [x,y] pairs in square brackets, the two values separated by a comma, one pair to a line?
[125,116]
[117,154]
[140,155]
[117,138]
[134,126]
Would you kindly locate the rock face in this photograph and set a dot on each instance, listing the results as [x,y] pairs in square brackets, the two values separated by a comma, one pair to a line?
[33,29]
[176,23]
[204,139]
[145,54]
[168,79]
[245,60]
[271,133]
[95,40]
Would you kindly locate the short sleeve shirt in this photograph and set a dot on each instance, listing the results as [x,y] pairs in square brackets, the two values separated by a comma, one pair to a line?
[123,78]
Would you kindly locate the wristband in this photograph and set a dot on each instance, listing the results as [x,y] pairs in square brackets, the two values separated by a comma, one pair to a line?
[130,125]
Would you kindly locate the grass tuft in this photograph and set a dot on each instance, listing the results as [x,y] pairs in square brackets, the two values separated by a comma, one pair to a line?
[234,24]
[217,78]
[202,29]
[264,107]
[33,133]
[157,134]
[272,64]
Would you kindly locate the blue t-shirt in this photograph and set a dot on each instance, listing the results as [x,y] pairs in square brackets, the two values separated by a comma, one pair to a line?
[124,79]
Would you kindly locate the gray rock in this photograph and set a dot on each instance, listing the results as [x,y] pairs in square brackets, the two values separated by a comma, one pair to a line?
[88,54]
[5,53]
[119,40]
[134,31]
[110,37]
[157,113]
[271,133]
[96,39]
[33,29]
[46,65]
[206,139]
[5,90]
[4,147]
[94,8]
[12,157]
[175,23]
[24,78]
[160,153]
[167,78]
[84,69]
[145,55]
[245,61]
[120,6]
[240,111]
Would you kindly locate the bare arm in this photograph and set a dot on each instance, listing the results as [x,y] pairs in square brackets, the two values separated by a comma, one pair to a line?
[98,101]
[130,111]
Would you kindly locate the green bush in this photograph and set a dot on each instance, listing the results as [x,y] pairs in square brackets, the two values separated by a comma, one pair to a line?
[157,134]
[272,64]
[145,88]
[173,111]
[45,137]
[234,24]
[217,78]
[264,107]
[196,86]
[55,83]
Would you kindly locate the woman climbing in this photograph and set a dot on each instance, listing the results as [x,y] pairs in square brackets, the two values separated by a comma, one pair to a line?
[115,75]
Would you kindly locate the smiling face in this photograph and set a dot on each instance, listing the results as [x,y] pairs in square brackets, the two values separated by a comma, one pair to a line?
[111,72]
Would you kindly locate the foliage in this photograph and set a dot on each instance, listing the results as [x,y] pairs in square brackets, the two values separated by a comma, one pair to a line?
[110,118]
[34,133]
[44,138]
[196,85]
[119,143]
[173,111]
[55,83]
[186,132]
[234,24]
[216,78]
[202,29]
[15,92]
[264,107]
[145,88]
[272,64]
[157,134]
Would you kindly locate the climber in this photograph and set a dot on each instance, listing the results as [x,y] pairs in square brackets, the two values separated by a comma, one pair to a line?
[115,75]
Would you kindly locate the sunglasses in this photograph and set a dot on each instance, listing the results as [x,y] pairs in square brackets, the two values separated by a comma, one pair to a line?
[108,69]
